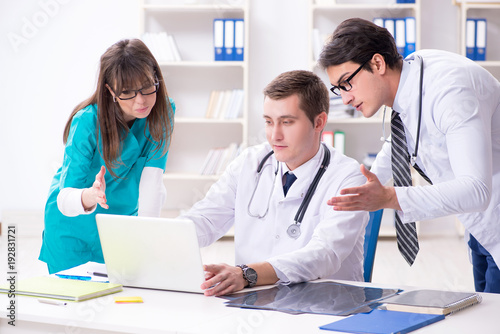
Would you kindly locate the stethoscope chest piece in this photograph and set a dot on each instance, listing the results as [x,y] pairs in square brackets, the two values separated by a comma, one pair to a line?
[293,231]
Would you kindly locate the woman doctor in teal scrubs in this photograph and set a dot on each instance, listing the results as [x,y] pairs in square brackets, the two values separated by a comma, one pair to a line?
[116,150]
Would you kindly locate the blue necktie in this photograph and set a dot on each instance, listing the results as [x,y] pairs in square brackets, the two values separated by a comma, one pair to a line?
[289,180]
[406,233]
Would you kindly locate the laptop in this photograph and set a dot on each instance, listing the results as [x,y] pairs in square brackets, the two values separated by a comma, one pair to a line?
[153,253]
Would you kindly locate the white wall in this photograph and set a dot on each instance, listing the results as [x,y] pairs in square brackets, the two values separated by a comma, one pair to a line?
[52,65]
[49,52]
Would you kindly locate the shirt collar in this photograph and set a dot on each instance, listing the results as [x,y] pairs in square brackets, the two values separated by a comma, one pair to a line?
[406,86]
[304,169]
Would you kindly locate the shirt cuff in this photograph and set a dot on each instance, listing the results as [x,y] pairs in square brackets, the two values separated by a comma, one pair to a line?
[152,192]
[405,214]
[282,278]
[69,202]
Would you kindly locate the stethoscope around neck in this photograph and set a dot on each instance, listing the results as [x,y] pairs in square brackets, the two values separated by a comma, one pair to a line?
[293,230]
[413,158]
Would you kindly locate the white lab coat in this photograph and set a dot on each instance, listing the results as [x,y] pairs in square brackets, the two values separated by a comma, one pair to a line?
[459,146]
[331,243]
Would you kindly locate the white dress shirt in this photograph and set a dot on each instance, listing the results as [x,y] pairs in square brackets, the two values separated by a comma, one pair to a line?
[331,243]
[459,147]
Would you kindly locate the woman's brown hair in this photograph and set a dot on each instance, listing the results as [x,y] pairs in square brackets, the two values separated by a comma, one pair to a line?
[124,65]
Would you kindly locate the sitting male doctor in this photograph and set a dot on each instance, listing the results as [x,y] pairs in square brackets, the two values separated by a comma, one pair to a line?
[270,247]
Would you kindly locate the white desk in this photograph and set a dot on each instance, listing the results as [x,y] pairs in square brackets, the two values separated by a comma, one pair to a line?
[175,312]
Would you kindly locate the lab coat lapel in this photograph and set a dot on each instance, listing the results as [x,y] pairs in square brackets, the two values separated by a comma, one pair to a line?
[406,102]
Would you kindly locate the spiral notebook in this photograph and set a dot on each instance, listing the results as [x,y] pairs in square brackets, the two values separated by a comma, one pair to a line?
[432,301]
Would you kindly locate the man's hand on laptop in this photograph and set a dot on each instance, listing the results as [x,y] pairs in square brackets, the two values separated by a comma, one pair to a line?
[221,279]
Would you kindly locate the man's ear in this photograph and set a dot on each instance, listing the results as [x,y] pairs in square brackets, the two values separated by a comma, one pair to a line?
[320,121]
[378,63]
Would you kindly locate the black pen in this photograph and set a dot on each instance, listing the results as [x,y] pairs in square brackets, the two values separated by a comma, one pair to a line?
[95,273]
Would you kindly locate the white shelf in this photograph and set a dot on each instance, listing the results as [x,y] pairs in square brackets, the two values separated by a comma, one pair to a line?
[190,83]
[202,120]
[489,63]
[470,5]
[203,64]
[190,176]
[357,120]
[194,7]
[336,6]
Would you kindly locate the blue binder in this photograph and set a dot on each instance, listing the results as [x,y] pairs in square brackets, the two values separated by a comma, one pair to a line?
[239,39]
[470,39]
[411,36]
[229,39]
[481,39]
[379,21]
[389,25]
[400,35]
[219,39]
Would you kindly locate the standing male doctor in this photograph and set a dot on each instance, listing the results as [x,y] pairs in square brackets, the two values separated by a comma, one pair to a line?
[256,194]
[446,118]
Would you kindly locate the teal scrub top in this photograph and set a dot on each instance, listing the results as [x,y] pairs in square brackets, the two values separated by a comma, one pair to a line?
[71,241]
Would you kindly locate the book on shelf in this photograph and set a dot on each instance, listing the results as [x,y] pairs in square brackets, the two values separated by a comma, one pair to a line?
[162,46]
[218,159]
[432,301]
[225,104]
[61,288]
[339,141]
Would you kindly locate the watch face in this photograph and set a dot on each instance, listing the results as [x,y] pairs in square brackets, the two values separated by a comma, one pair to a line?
[251,275]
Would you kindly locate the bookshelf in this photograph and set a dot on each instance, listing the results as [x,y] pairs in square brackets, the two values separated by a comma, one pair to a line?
[489,10]
[361,134]
[190,82]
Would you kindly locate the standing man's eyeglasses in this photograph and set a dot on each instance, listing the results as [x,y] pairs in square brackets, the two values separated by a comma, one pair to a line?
[346,84]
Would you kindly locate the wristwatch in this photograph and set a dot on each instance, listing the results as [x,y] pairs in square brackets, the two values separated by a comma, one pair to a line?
[249,274]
